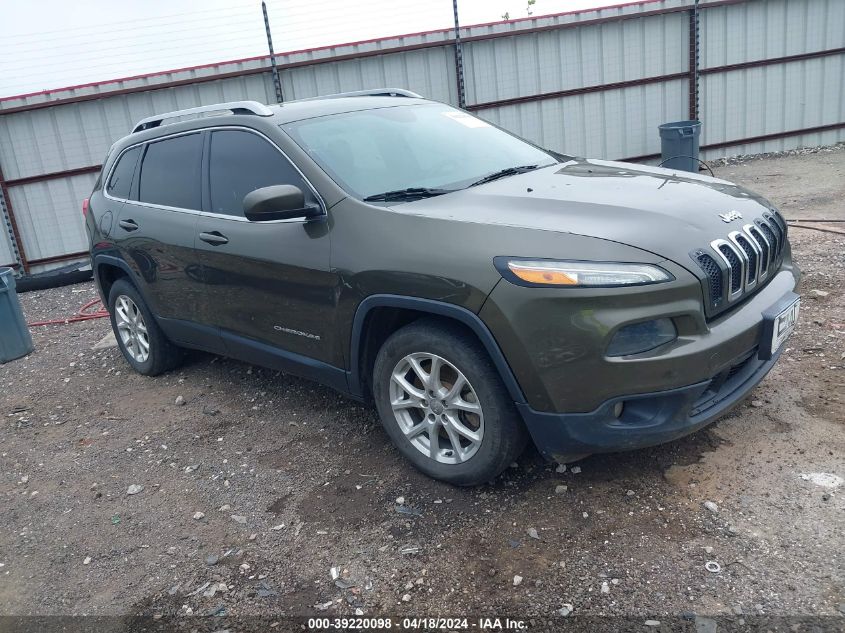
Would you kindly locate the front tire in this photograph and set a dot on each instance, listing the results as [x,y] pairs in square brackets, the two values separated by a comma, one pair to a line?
[444,405]
[144,345]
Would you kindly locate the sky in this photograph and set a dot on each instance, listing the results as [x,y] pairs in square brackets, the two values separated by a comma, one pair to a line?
[48,44]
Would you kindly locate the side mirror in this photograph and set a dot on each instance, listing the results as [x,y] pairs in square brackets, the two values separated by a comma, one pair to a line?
[278,202]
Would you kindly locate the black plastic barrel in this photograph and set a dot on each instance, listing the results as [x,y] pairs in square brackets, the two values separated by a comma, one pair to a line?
[679,145]
[15,340]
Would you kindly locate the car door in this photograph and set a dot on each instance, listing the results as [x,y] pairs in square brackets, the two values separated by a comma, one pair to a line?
[156,231]
[266,283]
[118,187]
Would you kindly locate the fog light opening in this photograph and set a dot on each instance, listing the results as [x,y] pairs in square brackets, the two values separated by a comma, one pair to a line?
[637,338]
[618,408]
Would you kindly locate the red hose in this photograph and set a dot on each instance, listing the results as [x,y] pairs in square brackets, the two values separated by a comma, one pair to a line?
[84,314]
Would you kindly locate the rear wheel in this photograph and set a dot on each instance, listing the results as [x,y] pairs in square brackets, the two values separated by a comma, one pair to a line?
[444,405]
[142,342]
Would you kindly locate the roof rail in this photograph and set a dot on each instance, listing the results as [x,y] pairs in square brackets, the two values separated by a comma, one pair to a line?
[372,92]
[236,107]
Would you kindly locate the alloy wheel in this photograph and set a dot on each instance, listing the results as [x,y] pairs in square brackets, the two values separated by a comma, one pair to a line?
[132,329]
[436,408]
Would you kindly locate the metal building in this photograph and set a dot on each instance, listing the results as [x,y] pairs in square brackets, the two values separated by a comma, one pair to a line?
[762,75]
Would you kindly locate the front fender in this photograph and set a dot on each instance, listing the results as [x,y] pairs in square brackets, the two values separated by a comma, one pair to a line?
[428,306]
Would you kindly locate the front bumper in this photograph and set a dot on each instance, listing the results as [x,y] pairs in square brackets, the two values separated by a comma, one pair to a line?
[647,419]
[555,339]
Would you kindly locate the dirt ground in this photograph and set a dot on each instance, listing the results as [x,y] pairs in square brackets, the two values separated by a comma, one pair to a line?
[292,480]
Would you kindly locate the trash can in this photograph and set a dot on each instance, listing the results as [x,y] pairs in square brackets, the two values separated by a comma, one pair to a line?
[15,340]
[679,145]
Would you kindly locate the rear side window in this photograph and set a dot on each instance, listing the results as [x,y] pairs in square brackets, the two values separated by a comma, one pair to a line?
[242,162]
[170,172]
[121,176]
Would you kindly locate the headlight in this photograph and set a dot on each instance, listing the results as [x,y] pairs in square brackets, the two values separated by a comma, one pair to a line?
[543,272]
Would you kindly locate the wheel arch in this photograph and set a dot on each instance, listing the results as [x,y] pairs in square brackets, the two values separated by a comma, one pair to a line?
[405,310]
[107,270]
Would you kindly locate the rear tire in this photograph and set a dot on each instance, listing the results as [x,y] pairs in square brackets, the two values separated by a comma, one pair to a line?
[144,345]
[444,405]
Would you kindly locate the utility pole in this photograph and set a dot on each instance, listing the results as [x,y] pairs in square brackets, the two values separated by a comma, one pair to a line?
[276,81]
[459,59]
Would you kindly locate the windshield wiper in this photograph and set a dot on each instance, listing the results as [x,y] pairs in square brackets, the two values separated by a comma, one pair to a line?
[502,173]
[412,193]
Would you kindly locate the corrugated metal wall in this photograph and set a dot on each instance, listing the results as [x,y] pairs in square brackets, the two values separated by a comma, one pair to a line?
[607,123]
[49,215]
[428,71]
[613,124]
[595,83]
[770,99]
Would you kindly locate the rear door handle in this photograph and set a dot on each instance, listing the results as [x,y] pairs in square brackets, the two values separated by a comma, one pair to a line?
[215,238]
[129,225]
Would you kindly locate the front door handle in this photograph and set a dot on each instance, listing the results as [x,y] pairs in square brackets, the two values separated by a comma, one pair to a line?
[215,238]
[129,225]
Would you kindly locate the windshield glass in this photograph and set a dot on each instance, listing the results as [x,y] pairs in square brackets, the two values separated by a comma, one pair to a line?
[370,152]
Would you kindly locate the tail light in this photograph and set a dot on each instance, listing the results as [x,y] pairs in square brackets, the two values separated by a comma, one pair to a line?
[85,208]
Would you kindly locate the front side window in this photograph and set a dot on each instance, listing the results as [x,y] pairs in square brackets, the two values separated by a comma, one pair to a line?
[121,176]
[170,172]
[431,146]
[241,162]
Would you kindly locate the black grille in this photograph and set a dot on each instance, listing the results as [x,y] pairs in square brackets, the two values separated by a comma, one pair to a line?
[726,382]
[738,368]
[752,258]
[764,248]
[739,263]
[714,275]
[778,219]
[772,241]
[736,267]
[778,232]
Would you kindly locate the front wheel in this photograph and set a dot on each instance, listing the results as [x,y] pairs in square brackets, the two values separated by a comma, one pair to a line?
[444,405]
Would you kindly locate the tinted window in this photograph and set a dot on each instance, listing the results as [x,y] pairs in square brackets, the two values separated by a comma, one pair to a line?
[121,177]
[242,162]
[170,172]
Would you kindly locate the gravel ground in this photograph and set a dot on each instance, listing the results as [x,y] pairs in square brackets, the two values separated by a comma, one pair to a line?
[260,484]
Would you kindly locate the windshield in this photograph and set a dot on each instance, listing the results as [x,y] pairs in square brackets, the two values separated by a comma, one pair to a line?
[370,152]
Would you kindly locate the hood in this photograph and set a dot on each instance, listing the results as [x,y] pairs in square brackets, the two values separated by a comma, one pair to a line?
[666,212]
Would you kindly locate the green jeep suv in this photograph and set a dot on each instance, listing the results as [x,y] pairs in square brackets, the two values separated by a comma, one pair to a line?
[479,290]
